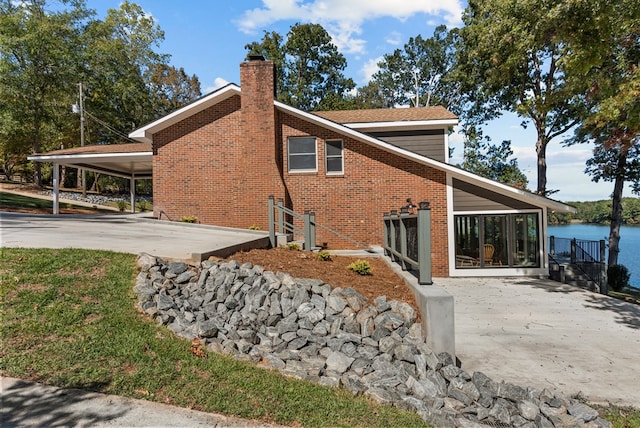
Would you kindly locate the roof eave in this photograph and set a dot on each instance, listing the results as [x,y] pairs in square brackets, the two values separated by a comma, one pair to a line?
[403,124]
[454,171]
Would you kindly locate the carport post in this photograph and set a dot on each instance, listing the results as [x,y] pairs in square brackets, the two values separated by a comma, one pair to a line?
[56,188]
[132,192]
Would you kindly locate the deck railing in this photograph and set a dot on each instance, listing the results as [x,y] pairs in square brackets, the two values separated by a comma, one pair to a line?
[407,240]
[586,255]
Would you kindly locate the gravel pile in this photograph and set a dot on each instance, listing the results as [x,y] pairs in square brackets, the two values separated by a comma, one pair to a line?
[96,199]
[309,330]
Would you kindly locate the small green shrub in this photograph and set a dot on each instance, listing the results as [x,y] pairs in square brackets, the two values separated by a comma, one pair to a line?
[254,227]
[324,256]
[122,205]
[144,206]
[361,267]
[294,246]
[189,219]
[618,277]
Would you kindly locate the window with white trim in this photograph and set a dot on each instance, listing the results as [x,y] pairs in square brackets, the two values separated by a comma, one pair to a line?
[334,157]
[303,155]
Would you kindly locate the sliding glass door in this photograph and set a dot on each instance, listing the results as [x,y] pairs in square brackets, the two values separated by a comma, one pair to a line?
[497,240]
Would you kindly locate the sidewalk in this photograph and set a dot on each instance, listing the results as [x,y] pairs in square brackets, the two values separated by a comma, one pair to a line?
[27,403]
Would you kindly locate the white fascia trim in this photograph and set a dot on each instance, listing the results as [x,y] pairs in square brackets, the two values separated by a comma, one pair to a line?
[145,133]
[450,169]
[93,157]
[404,124]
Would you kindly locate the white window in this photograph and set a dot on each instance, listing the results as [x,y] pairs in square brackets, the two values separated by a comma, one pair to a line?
[333,150]
[303,155]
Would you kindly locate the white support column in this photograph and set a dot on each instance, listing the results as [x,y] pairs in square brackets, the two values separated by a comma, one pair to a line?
[132,191]
[56,188]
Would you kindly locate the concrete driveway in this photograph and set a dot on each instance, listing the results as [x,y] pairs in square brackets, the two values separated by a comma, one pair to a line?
[548,335]
[125,233]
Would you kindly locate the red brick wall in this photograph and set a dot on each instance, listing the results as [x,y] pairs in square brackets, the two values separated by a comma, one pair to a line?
[374,182]
[222,164]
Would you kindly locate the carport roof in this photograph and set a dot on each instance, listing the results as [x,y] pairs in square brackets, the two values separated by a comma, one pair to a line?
[121,160]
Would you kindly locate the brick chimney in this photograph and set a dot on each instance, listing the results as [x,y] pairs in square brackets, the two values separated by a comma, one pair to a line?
[261,170]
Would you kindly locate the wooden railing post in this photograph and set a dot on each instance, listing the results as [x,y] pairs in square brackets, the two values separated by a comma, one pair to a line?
[307,230]
[424,243]
[552,245]
[392,234]
[312,229]
[385,233]
[272,226]
[404,211]
[280,215]
[573,250]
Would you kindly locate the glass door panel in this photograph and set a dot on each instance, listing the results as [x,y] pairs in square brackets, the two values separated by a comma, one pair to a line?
[495,245]
[467,241]
[526,250]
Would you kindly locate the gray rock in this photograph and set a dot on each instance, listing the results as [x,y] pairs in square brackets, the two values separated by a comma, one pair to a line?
[338,362]
[405,310]
[511,392]
[583,412]
[423,388]
[500,412]
[355,300]
[336,303]
[207,328]
[381,395]
[177,268]
[165,302]
[389,320]
[297,343]
[528,410]
[405,352]
[184,277]
[387,344]
[146,261]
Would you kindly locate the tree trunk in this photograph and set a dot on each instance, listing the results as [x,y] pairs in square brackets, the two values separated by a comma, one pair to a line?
[541,150]
[616,211]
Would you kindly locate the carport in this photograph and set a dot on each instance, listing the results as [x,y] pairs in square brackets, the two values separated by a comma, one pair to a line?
[132,161]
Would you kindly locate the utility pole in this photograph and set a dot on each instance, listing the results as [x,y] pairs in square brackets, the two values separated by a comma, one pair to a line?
[81,105]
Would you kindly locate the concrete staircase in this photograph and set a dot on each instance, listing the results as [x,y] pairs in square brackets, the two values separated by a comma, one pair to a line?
[571,274]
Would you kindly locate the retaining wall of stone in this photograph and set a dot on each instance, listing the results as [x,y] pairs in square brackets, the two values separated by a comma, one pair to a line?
[307,329]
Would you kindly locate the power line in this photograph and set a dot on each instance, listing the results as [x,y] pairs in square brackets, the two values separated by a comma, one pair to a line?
[109,127]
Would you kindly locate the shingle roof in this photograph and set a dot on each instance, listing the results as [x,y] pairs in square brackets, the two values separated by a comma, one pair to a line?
[104,148]
[387,115]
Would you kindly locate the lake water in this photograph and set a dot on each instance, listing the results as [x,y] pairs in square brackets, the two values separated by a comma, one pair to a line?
[629,243]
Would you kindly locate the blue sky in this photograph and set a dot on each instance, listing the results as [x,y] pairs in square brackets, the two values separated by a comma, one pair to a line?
[207,38]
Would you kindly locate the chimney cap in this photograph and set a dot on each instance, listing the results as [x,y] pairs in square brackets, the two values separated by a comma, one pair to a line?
[256,57]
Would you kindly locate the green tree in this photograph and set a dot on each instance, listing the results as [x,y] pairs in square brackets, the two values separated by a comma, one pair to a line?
[509,52]
[604,63]
[120,57]
[309,67]
[171,88]
[492,161]
[38,59]
[420,73]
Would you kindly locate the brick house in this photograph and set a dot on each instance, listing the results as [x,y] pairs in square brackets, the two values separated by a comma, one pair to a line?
[222,156]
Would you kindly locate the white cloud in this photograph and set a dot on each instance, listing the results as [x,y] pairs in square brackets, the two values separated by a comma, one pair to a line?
[370,68]
[218,82]
[394,38]
[343,19]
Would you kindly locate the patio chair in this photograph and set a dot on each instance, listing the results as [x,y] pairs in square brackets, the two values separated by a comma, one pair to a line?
[488,253]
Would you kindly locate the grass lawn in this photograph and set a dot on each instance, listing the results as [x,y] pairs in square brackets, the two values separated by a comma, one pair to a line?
[69,319]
